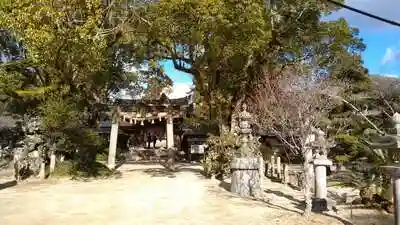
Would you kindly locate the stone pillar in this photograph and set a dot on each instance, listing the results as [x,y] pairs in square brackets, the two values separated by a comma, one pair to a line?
[396,121]
[52,161]
[278,167]
[170,133]
[320,202]
[285,179]
[267,169]
[396,198]
[262,170]
[42,172]
[273,166]
[394,171]
[112,150]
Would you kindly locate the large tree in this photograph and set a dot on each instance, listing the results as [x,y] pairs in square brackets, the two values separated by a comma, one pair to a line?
[227,44]
[76,54]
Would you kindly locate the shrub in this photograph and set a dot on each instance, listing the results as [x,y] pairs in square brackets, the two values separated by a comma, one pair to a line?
[64,169]
[220,154]
[101,157]
[71,169]
[96,170]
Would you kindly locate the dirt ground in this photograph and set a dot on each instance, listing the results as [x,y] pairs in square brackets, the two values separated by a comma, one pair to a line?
[148,194]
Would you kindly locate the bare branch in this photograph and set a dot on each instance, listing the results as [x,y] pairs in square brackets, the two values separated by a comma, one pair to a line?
[290,104]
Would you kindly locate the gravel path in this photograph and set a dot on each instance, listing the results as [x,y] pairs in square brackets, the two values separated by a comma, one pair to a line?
[148,194]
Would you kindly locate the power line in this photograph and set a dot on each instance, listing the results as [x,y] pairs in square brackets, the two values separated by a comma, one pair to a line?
[391,22]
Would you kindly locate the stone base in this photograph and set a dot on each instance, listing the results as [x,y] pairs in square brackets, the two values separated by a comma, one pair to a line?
[246,177]
[322,204]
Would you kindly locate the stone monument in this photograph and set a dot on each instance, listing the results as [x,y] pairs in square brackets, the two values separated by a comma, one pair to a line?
[245,165]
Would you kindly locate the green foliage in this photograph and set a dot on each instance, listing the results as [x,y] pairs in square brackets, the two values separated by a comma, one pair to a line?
[218,157]
[101,157]
[64,169]
[369,180]
[59,114]
[229,45]
[71,169]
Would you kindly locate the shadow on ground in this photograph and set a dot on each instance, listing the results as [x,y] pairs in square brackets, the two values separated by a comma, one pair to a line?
[171,173]
[298,204]
[8,184]
[167,171]
[263,201]
[281,194]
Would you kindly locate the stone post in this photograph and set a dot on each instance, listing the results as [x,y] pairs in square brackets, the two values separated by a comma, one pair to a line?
[285,179]
[42,172]
[245,180]
[267,169]
[52,161]
[112,150]
[262,170]
[170,133]
[396,121]
[320,202]
[273,166]
[278,167]
[394,171]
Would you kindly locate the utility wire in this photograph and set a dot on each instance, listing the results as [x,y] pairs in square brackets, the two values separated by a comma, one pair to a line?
[391,22]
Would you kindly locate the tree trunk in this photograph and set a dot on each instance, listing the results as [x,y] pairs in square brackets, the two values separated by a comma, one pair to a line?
[42,173]
[307,180]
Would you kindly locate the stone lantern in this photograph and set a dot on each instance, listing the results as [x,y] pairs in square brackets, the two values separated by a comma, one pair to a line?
[321,163]
[245,165]
[393,146]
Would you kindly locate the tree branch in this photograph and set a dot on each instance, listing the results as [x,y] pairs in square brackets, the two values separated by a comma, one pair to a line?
[362,115]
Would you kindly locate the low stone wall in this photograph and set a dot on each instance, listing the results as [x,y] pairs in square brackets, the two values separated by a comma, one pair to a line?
[290,174]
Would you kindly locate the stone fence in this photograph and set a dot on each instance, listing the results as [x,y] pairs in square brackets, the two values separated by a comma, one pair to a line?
[289,174]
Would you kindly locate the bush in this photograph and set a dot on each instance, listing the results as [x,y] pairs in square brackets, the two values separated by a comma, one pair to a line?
[96,170]
[64,169]
[71,169]
[220,154]
[101,157]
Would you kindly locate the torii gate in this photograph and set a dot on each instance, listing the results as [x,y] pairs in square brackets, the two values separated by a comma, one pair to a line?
[131,116]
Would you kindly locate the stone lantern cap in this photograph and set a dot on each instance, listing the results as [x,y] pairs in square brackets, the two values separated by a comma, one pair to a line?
[396,118]
[322,160]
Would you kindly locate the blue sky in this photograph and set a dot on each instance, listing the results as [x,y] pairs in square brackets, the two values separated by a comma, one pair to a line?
[382,55]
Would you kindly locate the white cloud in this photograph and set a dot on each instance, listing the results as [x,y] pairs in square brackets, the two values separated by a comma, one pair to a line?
[392,55]
[180,90]
[388,9]
[389,56]
[390,75]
